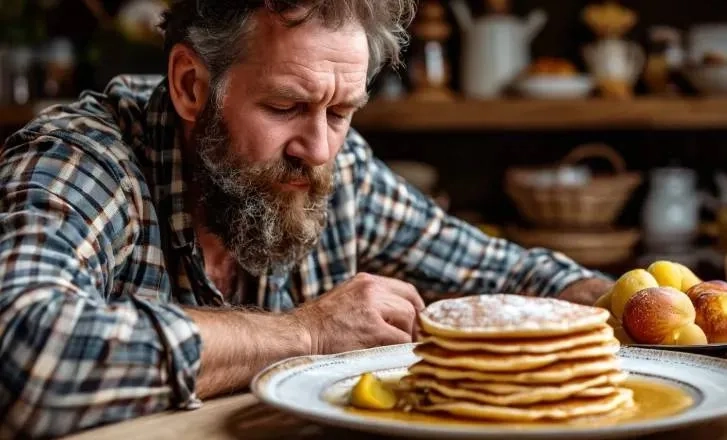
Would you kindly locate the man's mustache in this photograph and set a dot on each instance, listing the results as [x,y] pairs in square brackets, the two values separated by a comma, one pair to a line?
[287,170]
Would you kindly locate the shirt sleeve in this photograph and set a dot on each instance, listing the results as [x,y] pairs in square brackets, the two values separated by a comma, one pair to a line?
[404,234]
[75,352]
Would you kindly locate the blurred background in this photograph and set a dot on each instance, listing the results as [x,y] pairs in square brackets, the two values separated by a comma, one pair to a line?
[593,127]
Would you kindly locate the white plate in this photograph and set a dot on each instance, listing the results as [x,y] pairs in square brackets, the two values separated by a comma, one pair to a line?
[310,386]
[555,87]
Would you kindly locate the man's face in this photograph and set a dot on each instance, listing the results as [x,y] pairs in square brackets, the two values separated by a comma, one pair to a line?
[266,144]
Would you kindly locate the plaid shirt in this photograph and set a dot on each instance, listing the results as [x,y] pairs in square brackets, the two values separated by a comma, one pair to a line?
[97,253]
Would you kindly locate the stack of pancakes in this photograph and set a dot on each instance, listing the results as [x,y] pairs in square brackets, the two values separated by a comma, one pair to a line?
[518,359]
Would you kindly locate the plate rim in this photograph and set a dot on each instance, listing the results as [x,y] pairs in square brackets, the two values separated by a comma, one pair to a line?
[713,346]
[420,430]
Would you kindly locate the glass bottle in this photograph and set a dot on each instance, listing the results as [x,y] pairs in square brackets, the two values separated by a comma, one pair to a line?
[429,68]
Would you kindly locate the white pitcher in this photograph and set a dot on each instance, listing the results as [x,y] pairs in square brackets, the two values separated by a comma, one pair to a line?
[670,214]
[496,49]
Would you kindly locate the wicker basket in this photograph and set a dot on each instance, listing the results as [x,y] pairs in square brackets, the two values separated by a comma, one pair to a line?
[597,248]
[596,204]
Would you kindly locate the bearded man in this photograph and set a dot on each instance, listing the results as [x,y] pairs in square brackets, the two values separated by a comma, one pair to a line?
[164,240]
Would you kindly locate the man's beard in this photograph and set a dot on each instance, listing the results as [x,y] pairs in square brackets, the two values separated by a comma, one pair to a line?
[266,229]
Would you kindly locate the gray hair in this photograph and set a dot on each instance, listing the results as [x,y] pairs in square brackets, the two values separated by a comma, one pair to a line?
[216,29]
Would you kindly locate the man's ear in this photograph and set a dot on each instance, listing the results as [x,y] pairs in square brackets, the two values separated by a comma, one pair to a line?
[189,82]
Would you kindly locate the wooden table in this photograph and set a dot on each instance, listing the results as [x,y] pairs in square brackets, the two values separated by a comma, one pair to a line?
[243,417]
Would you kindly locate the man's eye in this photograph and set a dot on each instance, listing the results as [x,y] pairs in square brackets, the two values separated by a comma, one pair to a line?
[337,116]
[282,109]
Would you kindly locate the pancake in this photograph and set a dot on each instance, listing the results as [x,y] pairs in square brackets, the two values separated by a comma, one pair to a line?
[559,410]
[496,362]
[525,397]
[554,373]
[502,316]
[527,345]
[566,387]
[516,358]
[596,392]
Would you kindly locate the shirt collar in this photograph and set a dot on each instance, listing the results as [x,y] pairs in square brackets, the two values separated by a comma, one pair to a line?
[165,144]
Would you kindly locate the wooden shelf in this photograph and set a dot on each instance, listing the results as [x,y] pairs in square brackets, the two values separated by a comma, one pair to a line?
[16,115]
[522,114]
[514,114]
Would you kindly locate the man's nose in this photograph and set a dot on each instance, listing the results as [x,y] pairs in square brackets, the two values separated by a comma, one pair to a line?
[311,146]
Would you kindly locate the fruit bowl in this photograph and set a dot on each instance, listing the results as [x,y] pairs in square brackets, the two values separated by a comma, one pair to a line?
[714,350]
[667,307]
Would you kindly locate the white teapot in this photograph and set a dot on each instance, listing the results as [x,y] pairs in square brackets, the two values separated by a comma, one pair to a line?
[496,49]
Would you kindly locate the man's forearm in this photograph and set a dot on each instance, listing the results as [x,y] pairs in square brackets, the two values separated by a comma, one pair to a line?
[586,291]
[237,344]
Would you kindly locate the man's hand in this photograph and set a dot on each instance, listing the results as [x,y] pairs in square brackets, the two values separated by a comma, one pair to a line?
[365,311]
[586,291]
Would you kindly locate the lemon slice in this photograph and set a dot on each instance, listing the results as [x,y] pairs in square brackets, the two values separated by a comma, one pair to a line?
[371,393]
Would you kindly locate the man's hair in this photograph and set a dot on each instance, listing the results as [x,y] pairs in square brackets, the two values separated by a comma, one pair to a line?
[216,29]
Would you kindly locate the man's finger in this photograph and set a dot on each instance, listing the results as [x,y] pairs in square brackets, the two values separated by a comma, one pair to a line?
[406,291]
[398,312]
[392,335]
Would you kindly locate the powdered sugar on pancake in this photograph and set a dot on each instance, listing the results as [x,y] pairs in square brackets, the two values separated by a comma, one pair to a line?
[504,315]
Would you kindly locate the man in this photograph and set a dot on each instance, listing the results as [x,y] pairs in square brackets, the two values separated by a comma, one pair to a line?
[139,227]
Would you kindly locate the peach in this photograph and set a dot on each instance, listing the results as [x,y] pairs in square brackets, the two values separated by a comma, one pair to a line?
[652,314]
[688,334]
[711,310]
[626,286]
[689,279]
[667,274]
[706,286]
[604,301]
